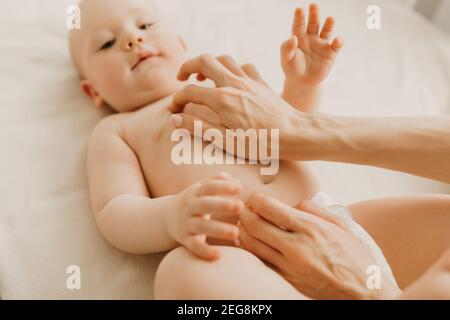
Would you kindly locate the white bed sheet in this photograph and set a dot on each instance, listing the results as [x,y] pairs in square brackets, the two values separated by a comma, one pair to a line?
[45,122]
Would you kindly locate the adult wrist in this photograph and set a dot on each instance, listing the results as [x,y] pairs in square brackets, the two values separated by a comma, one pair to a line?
[308,136]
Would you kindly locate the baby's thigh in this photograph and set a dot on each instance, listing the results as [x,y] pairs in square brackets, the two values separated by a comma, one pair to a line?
[411,231]
[237,274]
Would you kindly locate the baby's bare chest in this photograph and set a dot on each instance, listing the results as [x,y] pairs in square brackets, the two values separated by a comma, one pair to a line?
[171,161]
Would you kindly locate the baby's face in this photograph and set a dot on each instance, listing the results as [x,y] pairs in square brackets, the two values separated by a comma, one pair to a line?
[127,53]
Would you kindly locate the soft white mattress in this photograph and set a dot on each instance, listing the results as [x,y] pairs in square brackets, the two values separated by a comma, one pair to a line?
[45,122]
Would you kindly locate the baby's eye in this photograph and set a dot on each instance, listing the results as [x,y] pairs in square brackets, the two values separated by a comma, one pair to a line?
[146,26]
[108,44]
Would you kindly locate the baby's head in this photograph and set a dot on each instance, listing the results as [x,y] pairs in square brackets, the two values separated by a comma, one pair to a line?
[126,53]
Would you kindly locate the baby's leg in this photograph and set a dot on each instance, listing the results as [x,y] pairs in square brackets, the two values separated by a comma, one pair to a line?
[237,275]
[412,232]
[435,284]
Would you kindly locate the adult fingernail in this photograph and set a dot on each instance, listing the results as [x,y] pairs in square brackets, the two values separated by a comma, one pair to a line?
[176,120]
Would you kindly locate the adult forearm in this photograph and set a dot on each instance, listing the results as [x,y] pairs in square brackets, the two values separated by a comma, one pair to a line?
[136,224]
[415,145]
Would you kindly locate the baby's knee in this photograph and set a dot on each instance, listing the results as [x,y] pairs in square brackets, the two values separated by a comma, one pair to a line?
[181,274]
[168,275]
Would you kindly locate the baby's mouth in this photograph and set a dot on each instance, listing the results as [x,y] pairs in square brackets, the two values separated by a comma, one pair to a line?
[143,56]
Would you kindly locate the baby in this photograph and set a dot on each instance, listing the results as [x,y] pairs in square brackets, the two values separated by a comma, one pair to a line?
[129,57]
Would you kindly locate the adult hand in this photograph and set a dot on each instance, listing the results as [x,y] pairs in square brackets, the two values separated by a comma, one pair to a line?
[241,99]
[314,251]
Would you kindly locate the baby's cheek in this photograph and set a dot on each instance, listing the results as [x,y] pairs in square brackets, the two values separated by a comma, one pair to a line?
[113,76]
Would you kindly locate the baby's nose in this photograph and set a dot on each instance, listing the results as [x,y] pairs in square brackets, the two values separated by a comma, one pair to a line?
[130,44]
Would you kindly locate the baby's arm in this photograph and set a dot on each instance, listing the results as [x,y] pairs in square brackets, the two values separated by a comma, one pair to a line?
[126,215]
[133,222]
[307,58]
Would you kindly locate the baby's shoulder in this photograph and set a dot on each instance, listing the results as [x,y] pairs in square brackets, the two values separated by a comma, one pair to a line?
[109,128]
[112,123]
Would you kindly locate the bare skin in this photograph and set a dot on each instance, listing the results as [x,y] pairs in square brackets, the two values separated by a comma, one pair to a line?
[117,52]
[307,58]
[413,232]
[142,202]
[125,151]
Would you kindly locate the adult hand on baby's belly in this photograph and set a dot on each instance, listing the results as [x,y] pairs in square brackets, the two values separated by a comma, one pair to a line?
[202,113]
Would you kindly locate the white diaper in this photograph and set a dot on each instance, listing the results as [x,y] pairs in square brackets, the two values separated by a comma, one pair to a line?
[324,201]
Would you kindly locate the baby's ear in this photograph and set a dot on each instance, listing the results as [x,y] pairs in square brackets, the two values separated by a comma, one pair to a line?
[183,43]
[89,91]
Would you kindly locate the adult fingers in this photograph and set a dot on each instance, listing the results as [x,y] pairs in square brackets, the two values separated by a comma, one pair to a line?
[259,248]
[231,64]
[264,231]
[252,72]
[203,112]
[273,211]
[310,208]
[228,62]
[209,67]
[193,94]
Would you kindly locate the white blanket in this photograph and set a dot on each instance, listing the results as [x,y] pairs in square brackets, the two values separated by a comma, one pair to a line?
[45,122]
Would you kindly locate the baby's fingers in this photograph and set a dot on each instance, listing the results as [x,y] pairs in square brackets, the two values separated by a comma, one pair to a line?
[313,20]
[222,187]
[216,205]
[327,29]
[213,229]
[337,44]
[298,26]
[197,246]
[288,50]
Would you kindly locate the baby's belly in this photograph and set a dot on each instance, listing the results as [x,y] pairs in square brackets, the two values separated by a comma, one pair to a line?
[292,183]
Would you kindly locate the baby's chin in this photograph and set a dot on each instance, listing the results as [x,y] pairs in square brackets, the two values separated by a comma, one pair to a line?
[145,99]
[146,88]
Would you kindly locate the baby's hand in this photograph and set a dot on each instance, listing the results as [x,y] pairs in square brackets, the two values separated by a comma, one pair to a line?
[193,220]
[308,57]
